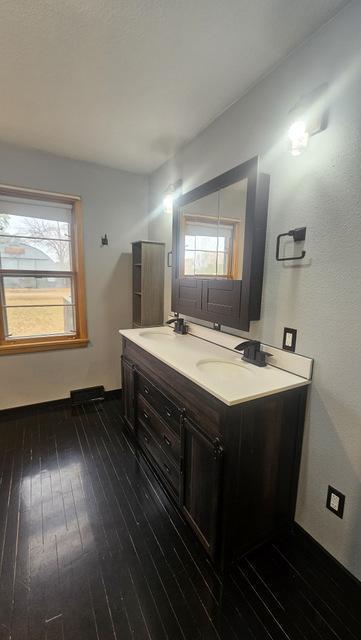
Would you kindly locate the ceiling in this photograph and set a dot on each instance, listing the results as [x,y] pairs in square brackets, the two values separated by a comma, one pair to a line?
[127,83]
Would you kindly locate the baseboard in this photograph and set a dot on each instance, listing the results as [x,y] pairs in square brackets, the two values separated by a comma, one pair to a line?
[340,568]
[112,394]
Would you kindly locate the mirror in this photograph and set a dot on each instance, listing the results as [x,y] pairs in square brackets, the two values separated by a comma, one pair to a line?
[218,247]
[212,234]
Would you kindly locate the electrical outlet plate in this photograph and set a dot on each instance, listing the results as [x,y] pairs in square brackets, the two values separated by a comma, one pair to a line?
[289,339]
[335,501]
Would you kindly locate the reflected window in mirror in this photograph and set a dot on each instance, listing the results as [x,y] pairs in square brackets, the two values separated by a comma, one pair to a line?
[209,247]
[212,234]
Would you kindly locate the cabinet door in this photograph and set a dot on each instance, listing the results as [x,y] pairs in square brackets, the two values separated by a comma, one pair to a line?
[221,300]
[128,393]
[201,483]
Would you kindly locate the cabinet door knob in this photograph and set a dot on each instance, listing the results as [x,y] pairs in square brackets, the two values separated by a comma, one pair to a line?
[168,412]
[146,439]
[146,391]
[145,415]
[166,440]
[217,448]
[166,467]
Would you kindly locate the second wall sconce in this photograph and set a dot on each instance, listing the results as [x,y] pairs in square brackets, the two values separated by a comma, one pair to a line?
[308,117]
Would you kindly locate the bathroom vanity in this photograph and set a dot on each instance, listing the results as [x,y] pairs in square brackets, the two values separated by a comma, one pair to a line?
[222,435]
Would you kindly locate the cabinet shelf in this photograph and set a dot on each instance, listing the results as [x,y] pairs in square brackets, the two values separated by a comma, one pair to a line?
[148,283]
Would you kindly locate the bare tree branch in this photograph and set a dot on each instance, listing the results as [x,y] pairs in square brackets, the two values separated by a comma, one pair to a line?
[4,221]
[51,231]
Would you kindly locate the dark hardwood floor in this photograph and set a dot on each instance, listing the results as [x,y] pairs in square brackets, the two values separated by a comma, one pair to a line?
[90,547]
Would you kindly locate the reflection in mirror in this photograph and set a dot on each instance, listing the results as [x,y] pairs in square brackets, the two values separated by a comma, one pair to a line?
[199,236]
[212,234]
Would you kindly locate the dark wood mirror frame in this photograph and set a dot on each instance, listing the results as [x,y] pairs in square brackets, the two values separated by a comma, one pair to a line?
[233,303]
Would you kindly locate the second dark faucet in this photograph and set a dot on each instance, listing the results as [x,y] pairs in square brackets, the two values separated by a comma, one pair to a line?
[253,353]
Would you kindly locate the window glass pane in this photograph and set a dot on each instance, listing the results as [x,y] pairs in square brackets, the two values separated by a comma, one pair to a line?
[199,228]
[206,263]
[222,264]
[206,243]
[27,226]
[211,238]
[38,306]
[34,234]
[23,322]
[36,255]
[40,291]
[21,216]
[221,243]
[190,242]
[189,260]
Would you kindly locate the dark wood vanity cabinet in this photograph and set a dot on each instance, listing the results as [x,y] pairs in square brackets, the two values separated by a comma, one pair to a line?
[232,471]
[128,393]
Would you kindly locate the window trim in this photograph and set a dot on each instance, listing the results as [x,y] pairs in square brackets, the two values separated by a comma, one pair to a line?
[47,343]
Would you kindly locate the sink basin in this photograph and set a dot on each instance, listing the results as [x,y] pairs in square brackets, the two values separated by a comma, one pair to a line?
[224,370]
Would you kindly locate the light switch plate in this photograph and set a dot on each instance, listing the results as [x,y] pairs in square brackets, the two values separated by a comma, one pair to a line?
[289,339]
[335,501]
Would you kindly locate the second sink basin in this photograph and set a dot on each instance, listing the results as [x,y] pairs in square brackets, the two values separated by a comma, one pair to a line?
[227,371]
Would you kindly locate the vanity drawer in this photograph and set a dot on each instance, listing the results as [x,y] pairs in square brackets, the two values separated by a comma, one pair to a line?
[165,407]
[167,469]
[167,439]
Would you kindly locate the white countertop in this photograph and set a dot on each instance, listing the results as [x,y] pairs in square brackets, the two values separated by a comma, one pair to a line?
[218,370]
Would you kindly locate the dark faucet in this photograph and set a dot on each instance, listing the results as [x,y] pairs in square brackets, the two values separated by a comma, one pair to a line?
[253,353]
[179,325]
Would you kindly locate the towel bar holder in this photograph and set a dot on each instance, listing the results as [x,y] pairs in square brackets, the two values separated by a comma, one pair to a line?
[298,235]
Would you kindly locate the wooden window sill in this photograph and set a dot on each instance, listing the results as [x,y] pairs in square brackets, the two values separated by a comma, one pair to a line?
[45,345]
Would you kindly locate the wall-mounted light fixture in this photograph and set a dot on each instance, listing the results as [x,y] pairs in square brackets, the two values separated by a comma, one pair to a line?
[308,117]
[171,193]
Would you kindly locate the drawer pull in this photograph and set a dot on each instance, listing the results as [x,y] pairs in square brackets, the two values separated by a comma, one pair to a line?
[166,440]
[146,439]
[145,415]
[168,412]
[166,467]
[146,391]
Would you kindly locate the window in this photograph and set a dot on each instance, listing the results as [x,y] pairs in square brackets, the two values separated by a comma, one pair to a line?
[42,294]
[209,247]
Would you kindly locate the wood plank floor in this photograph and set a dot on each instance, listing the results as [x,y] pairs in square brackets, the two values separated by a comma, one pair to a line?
[91,548]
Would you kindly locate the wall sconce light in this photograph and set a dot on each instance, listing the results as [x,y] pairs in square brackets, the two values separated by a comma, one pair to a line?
[308,117]
[171,193]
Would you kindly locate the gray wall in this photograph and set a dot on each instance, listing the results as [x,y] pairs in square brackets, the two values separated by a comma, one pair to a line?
[321,297]
[115,203]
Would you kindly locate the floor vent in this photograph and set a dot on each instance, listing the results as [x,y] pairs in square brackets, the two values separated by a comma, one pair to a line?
[90,394]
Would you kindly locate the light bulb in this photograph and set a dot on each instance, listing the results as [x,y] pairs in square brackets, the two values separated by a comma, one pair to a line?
[297,129]
[298,136]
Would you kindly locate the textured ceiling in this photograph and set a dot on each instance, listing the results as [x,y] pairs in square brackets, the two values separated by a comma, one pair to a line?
[126,83]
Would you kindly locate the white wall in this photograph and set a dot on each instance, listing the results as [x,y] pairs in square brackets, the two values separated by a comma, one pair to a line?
[322,296]
[115,203]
